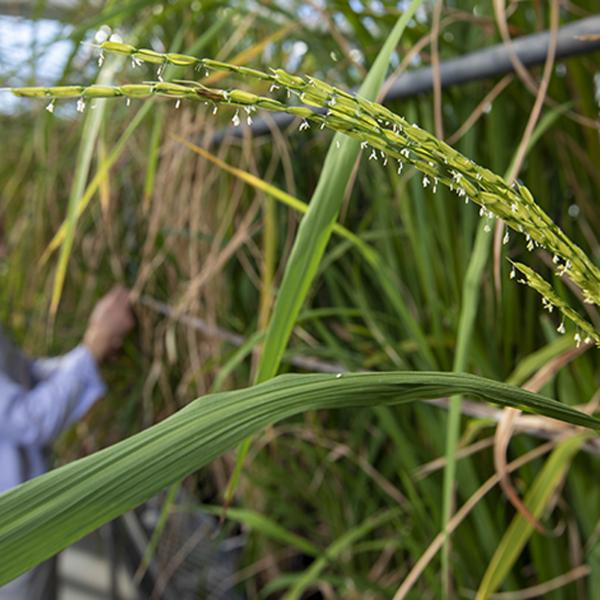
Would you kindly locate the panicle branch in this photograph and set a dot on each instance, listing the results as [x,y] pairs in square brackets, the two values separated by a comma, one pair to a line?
[387,133]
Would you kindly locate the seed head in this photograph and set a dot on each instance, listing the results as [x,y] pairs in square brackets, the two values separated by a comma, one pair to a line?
[382,129]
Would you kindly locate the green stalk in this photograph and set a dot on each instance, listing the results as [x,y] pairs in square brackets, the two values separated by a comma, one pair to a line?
[468,313]
[470,300]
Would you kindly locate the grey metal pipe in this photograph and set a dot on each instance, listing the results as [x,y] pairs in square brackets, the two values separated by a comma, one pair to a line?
[482,64]
[494,61]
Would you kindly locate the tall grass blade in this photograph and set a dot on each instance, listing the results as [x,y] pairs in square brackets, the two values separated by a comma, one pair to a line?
[536,500]
[267,527]
[315,228]
[349,538]
[314,232]
[84,160]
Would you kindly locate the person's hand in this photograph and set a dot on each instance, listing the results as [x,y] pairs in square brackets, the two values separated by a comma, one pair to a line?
[110,322]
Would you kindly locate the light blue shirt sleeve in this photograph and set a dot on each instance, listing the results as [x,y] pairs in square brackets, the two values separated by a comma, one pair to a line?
[66,387]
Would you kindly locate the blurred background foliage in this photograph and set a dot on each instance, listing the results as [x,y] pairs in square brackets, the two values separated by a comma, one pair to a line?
[178,230]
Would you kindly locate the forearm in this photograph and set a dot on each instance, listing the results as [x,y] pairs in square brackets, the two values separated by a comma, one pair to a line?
[38,415]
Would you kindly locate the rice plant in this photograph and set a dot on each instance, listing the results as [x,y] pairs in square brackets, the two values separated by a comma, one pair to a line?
[383,134]
[377,277]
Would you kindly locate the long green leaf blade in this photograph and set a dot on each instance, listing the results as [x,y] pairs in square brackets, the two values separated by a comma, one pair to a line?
[46,514]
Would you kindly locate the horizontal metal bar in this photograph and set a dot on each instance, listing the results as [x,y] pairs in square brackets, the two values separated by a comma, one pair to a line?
[482,64]
[494,61]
